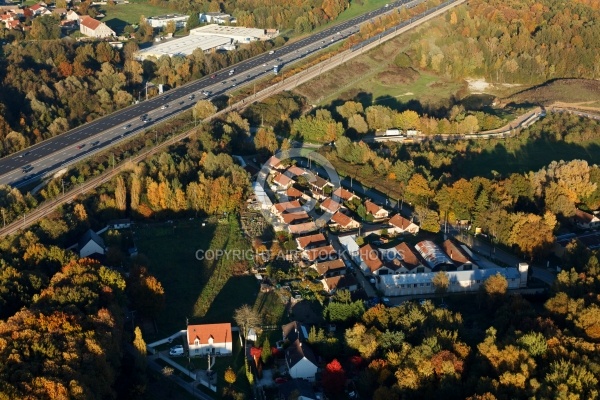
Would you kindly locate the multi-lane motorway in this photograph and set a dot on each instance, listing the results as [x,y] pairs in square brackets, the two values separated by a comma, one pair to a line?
[53,154]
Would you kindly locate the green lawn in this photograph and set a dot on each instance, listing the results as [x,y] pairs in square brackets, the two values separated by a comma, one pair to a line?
[118,16]
[171,250]
[236,292]
[530,157]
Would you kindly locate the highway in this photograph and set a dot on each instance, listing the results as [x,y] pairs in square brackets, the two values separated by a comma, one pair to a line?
[51,155]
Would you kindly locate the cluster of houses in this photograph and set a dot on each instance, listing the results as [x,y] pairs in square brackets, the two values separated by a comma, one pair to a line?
[13,16]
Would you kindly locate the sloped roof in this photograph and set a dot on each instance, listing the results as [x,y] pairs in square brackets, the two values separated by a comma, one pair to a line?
[90,22]
[340,282]
[293,192]
[220,333]
[298,351]
[315,239]
[273,162]
[432,253]
[90,235]
[294,331]
[290,218]
[583,217]
[410,258]
[326,266]
[343,194]
[319,182]
[370,257]
[400,222]
[282,180]
[341,219]
[289,206]
[371,207]
[456,254]
[295,171]
[305,227]
[330,205]
[319,253]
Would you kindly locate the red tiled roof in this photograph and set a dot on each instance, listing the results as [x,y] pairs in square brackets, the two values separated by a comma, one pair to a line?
[288,206]
[90,22]
[295,171]
[341,219]
[282,180]
[289,218]
[399,221]
[305,241]
[324,267]
[343,194]
[330,205]
[455,253]
[319,182]
[293,192]
[220,333]
[299,229]
[370,257]
[583,217]
[410,260]
[273,162]
[371,207]
[319,253]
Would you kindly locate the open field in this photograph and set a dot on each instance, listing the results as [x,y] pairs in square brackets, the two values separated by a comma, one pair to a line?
[530,157]
[171,253]
[118,16]
[376,79]
[586,92]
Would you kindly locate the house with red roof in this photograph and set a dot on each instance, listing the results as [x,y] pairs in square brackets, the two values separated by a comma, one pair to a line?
[94,28]
[343,222]
[400,225]
[214,339]
[376,211]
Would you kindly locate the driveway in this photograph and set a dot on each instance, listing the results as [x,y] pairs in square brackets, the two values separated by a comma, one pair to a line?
[362,280]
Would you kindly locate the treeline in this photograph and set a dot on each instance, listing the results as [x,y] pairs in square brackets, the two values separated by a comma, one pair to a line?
[512,41]
[512,350]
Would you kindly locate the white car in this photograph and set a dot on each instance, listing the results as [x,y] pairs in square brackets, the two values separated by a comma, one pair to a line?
[163,107]
[272,52]
[176,351]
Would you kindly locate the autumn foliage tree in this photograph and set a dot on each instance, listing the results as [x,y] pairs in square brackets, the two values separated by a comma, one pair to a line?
[334,378]
[146,292]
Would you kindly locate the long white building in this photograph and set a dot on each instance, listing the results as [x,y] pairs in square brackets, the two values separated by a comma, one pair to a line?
[239,34]
[185,46]
[161,21]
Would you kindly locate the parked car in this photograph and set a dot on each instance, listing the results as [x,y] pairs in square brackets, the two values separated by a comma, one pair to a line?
[176,351]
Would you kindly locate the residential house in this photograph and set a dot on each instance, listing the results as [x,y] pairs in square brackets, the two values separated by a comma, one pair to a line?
[434,256]
[94,28]
[463,261]
[293,193]
[293,218]
[334,283]
[297,389]
[294,170]
[352,249]
[585,220]
[275,164]
[344,194]
[14,24]
[91,244]
[331,206]
[303,228]
[319,186]
[283,181]
[214,339]
[331,268]
[370,261]
[294,331]
[60,12]
[323,253]
[73,16]
[401,225]
[308,242]
[288,206]
[343,222]
[38,9]
[460,281]
[301,361]
[376,211]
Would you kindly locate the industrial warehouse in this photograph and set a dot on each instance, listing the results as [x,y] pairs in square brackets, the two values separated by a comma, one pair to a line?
[209,38]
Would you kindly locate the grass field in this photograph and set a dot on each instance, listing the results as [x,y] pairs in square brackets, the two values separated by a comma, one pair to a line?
[530,157]
[118,16]
[582,91]
[171,251]
[375,78]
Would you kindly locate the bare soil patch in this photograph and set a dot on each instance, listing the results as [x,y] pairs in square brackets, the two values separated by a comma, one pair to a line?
[559,90]
[397,76]
[333,80]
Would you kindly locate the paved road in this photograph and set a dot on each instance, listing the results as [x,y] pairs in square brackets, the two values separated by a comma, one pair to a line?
[53,154]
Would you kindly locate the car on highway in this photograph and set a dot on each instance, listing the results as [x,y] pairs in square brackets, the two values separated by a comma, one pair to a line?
[127,126]
[191,97]
[272,52]
[214,76]
[27,168]
[95,143]
[81,146]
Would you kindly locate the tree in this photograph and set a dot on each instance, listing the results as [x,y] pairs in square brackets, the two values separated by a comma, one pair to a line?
[121,194]
[246,318]
[230,376]
[429,220]
[135,191]
[146,292]
[334,378]
[45,27]
[495,288]
[204,109]
[265,355]
[418,190]
[140,348]
[441,282]
[265,141]
[170,27]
